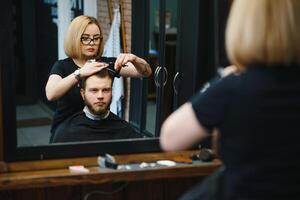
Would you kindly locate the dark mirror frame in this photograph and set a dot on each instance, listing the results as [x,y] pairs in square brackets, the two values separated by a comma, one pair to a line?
[14,153]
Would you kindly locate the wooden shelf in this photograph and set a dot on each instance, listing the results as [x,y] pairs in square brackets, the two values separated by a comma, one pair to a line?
[63,177]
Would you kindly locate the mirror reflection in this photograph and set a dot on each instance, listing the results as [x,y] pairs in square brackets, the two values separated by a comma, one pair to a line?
[42,26]
[54,108]
[154,98]
[165,36]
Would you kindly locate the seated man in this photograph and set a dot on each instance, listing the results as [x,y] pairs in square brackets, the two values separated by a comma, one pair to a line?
[95,122]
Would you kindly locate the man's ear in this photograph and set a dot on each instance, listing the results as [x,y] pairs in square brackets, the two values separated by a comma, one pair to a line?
[82,93]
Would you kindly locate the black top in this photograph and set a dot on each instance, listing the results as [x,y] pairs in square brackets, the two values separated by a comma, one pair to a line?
[80,128]
[257,114]
[71,102]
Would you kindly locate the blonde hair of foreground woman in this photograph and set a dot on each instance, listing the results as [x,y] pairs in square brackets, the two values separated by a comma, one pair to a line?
[263,31]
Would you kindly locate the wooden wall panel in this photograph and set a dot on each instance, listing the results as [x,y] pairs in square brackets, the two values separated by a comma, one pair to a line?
[147,190]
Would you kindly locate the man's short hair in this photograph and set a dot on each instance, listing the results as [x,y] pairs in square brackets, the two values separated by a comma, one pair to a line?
[103,73]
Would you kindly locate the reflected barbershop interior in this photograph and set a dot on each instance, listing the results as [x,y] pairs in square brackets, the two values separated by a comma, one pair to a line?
[159,99]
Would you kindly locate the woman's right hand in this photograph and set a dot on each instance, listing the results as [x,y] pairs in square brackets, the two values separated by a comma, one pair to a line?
[91,67]
[57,86]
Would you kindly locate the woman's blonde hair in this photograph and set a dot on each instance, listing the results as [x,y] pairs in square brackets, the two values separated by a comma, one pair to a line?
[263,31]
[72,42]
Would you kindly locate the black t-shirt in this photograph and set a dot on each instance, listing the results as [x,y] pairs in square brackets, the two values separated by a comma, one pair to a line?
[257,114]
[71,102]
[81,128]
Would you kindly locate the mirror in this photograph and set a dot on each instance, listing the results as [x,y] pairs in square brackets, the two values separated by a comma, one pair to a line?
[34,36]
[42,35]
[33,47]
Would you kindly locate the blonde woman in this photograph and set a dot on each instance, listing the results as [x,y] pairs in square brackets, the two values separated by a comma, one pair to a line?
[83,43]
[257,112]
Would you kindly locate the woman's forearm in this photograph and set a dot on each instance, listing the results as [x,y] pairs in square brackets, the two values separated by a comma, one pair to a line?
[57,87]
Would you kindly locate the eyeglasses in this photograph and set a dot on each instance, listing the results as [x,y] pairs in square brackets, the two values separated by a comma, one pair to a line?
[88,40]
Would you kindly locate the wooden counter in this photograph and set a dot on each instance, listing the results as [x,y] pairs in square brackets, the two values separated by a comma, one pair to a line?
[57,179]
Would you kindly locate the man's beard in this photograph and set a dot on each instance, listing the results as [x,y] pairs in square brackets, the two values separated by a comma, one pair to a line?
[98,110]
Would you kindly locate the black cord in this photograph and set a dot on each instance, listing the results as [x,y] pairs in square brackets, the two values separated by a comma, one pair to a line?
[120,188]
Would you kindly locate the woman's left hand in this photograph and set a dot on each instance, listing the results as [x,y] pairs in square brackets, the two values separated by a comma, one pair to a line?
[123,59]
[131,65]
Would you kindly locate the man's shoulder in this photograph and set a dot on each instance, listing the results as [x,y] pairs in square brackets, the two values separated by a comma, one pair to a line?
[70,128]
[75,118]
[113,116]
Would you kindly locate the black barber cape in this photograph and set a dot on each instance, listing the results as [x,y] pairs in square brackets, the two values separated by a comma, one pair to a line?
[81,128]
